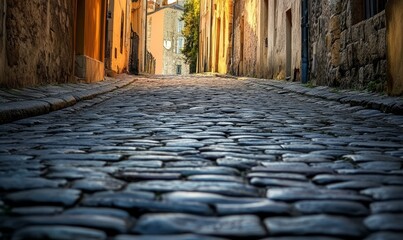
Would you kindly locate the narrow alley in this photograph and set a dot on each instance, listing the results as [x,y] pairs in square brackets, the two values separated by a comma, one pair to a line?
[202,157]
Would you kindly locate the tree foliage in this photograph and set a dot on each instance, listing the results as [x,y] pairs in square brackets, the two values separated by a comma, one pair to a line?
[190,32]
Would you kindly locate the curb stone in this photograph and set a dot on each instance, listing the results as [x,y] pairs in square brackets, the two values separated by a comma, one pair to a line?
[15,110]
[368,100]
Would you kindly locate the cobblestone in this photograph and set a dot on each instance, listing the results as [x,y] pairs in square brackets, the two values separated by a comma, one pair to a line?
[201,157]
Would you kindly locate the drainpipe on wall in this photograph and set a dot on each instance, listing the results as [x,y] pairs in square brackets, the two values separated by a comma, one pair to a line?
[233,38]
[305,42]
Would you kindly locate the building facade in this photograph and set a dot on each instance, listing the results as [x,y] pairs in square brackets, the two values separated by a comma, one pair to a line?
[215,36]
[138,23]
[118,40]
[256,38]
[165,40]
[89,38]
[49,41]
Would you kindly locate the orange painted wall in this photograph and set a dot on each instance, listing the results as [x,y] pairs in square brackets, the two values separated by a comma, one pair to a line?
[155,39]
[91,28]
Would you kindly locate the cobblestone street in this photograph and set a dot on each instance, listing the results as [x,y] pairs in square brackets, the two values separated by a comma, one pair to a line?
[203,157]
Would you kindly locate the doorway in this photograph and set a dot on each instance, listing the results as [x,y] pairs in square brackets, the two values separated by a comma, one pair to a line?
[218,40]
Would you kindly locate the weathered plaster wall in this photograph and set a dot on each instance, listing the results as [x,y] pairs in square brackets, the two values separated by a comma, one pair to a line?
[205,36]
[39,42]
[394,33]
[343,52]
[284,59]
[245,37]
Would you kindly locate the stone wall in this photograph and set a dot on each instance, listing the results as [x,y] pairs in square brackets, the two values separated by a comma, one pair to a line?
[172,57]
[39,47]
[345,52]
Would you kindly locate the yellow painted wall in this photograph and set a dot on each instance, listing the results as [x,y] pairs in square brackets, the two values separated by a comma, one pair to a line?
[394,38]
[119,53]
[215,35]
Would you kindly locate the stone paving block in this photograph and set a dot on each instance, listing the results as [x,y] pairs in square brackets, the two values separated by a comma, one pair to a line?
[215,178]
[226,188]
[296,194]
[59,232]
[209,198]
[193,163]
[381,165]
[236,226]
[105,223]
[384,222]
[269,182]
[302,238]
[166,237]
[145,175]
[111,212]
[353,185]
[24,183]
[385,235]
[307,158]
[308,171]
[315,225]
[347,208]
[37,210]
[264,207]
[94,184]
[64,197]
[72,173]
[372,157]
[286,176]
[385,192]
[392,206]
[375,177]
[109,198]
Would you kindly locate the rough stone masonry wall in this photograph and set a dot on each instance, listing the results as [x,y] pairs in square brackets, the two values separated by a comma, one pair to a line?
[39,45]
[344,53]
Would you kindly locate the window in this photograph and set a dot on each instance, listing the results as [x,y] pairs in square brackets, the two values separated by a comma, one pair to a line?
[365,9]
[178,69]
[121,31]
[373,7]
[180,26]
[180,44]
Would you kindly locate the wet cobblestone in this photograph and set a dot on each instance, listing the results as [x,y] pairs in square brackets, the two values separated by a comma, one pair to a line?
[203,158]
